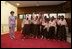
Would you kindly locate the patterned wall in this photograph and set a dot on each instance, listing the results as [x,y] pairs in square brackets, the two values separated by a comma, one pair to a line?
[64,7]
[48,9]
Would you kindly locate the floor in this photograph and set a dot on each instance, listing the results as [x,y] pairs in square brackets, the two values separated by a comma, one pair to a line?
[6,42]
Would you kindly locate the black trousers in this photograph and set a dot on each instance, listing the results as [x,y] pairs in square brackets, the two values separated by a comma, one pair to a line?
[51,32]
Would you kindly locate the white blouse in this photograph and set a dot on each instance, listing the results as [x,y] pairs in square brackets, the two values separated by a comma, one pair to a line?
[52,23]
[63,22]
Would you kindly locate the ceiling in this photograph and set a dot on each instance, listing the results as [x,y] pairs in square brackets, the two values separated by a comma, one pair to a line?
[35,3]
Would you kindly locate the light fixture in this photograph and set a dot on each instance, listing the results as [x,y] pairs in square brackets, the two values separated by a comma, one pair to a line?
[37,3]
[4,2]
[64,1]
[17,4]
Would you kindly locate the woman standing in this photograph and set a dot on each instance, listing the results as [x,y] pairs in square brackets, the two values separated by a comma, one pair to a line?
[63,24]
[42,28]
[58,27]
[26,28]
[39,26]
[36,27]
[52,25]
[31,27]
[46,29]
[12,24]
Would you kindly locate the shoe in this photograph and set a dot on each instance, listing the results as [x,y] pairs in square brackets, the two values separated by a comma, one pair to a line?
[47,39]
[22,39]
[32,37]
[42,37]
[36,37]
[11,38]
[58,40]
[53,39]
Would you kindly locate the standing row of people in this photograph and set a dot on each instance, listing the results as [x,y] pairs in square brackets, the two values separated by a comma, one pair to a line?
[44,28]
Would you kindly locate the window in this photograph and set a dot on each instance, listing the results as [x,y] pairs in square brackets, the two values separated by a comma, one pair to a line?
[53,14]
[60,14]
[46,15]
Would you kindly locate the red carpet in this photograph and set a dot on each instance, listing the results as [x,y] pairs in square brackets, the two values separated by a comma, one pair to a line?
[6,42]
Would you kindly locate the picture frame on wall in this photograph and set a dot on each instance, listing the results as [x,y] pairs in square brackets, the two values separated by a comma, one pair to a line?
[24,16]
[21,16]
[53,14]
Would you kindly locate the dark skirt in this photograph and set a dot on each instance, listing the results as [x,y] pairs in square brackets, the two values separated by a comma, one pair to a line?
[26,30]
[35,30]
[63,33]
[45,32]
[31,29]
[42,30]
[38,30]
[58,31]
[51,32]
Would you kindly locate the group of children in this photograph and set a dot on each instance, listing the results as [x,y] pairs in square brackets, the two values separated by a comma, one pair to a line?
[44,28]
